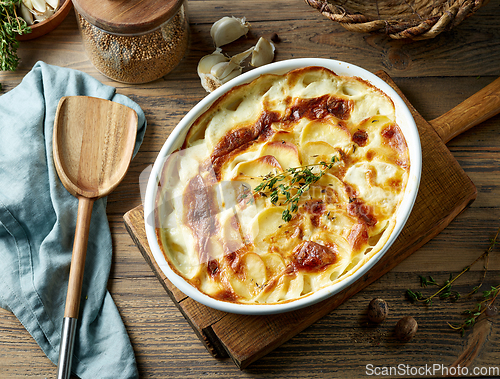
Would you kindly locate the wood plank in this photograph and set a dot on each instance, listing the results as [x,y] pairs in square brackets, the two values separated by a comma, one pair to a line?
[304,32]
[340,344]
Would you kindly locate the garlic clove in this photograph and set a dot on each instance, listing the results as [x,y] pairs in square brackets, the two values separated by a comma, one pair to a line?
[216,69]
[208,61]
[221,69]
[54,4]
[234,64]
[205,65]
[263,53]
[26,14]
[43,16]
[233,74]
[28,4]
[228,29]
[39,5]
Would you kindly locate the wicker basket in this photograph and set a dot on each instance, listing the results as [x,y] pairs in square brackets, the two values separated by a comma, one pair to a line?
[399,19]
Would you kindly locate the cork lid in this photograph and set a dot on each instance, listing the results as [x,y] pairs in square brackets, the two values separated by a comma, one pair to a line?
[127,16]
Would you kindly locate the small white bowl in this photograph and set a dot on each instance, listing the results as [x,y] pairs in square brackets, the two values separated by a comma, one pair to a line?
[404,120]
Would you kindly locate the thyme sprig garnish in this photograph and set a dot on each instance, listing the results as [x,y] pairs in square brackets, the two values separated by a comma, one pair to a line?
[291,184]
[445,290]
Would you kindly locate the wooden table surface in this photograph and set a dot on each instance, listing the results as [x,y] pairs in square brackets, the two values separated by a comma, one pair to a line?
[435,75]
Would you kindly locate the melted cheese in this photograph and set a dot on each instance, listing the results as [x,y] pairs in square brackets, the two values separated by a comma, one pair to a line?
[230,241]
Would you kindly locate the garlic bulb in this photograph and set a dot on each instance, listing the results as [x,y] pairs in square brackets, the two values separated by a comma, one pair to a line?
[263,53]
[38,10]
[216,69]
[228,29]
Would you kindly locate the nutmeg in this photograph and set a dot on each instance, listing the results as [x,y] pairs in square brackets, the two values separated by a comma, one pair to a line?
[491,311]
[377,310]
[406,328]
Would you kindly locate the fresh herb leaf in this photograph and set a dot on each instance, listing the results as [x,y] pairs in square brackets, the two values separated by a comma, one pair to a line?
[424,282]
[297,181]
[488,297]
[11,25]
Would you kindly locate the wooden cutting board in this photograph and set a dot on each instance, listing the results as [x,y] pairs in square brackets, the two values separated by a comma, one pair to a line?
[445,191]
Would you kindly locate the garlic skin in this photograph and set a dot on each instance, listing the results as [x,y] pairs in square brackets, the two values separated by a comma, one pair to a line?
[228,29]
[216,69]
[225,71]
[263,53]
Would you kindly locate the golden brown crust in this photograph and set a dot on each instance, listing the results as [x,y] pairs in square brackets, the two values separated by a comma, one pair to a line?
[231,242]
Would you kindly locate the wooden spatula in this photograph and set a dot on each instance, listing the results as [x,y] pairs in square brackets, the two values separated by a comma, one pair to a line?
[93,143]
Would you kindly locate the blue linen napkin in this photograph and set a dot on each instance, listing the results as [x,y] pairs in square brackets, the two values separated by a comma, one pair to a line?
[37,224]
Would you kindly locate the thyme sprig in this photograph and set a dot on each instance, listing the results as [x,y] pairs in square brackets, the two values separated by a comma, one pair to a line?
[489,297]
[11,24]
[291,184]
[445,290]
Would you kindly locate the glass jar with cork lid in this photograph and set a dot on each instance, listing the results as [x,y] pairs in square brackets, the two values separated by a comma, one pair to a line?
[133,41]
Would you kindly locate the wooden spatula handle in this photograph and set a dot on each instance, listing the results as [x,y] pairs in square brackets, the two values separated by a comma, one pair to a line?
[472,111]
[78,257]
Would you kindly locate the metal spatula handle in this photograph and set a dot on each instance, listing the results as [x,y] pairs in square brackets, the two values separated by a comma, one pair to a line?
[66,348]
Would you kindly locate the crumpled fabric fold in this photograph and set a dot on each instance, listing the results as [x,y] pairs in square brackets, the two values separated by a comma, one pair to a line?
[37,225]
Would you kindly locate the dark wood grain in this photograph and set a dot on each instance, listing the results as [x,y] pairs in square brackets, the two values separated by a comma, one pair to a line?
[131,16]
[435,76]
[474,110]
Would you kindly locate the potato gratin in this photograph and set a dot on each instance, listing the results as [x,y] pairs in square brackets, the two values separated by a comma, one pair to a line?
[233,242]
